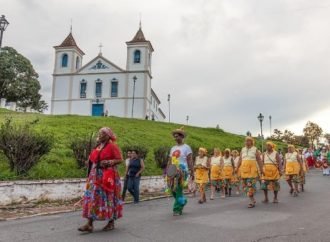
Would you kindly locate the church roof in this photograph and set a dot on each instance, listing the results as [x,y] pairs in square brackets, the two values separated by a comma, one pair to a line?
[139,38]
[69,41]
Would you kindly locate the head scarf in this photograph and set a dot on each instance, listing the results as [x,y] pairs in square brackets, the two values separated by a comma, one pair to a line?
[203,150]
[235,152]
[109,133]
[271,144]
[249,138]
[179,131]
[228,150]
[291,146]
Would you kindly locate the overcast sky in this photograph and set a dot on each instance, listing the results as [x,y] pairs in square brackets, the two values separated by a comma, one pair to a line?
[223,62]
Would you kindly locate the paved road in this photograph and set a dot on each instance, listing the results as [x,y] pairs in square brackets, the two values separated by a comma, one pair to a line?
[306,218]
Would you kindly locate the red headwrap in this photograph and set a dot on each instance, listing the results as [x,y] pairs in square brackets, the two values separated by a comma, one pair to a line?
[109,132]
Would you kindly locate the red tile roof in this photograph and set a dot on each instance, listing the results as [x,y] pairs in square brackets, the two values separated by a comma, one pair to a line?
[70,42]
[139,38]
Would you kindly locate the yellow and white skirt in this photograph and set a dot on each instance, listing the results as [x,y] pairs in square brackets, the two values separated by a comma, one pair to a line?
[201,175]
[249,169]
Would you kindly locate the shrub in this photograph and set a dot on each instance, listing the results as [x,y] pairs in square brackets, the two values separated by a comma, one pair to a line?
[22,145]
[143,151]
[161,156]
[82,147]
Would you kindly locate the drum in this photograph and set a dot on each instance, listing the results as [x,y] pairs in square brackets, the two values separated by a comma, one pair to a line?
[318,164]
[325,165]
[173,177]
[172,171]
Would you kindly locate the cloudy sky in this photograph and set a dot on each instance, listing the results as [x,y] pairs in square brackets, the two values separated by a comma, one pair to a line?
[223,62]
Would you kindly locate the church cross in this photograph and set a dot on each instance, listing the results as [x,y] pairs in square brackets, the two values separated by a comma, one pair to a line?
[100,46]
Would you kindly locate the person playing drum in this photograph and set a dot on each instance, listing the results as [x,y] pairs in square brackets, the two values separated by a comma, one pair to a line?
[181,158]
[202,173]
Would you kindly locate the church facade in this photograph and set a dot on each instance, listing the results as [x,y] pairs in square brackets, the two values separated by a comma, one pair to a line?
[102,88]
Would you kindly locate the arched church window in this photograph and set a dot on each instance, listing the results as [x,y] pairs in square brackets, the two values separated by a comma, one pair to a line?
[77,62]
[98,88]
[65,60]
[137,56]
[83,88]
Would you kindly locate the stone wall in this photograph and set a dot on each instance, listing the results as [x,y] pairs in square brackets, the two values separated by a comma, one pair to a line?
[64,189]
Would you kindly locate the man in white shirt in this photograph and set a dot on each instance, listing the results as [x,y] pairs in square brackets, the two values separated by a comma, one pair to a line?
[181,157]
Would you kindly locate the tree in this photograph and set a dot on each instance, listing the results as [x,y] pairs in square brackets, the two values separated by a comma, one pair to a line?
[19,81]
[22,145]
[288,137]
[327,137]
[277,135]
[301,140]
[313,132]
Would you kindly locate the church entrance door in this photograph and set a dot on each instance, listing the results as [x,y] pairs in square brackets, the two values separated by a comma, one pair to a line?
[97,109]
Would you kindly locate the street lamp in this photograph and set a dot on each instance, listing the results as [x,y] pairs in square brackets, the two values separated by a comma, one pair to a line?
[134,81]
[187,119]
[169,107]
[270,125]
[261,119]
[3,25]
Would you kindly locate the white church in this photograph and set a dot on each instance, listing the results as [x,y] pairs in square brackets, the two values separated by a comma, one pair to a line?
[101,87]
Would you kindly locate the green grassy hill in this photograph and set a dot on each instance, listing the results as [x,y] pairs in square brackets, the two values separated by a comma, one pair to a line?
[59,163]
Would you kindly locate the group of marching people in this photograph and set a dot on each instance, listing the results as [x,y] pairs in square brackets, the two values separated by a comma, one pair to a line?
[319,159]
[231,170]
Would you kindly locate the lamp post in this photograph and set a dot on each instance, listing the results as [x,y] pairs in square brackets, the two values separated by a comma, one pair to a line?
[270,125]
[261,119]
[3,25]
[169,107]
[187,119]
[134,81]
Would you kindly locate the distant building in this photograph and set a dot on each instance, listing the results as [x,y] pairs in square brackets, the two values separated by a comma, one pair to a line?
[100,86]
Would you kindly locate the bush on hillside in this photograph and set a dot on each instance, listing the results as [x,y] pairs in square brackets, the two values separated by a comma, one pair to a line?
[22,145]
[161,156]
[143,151]
[82,147]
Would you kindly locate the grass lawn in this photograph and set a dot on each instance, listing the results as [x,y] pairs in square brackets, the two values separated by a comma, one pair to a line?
[59,163]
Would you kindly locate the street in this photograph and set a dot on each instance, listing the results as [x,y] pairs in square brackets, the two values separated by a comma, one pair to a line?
[305,218]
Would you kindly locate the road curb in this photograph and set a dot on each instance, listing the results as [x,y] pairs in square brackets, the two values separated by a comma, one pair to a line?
[74,210]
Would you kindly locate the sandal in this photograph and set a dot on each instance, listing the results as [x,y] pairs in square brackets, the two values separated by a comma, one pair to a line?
[200,201]
[86,228]
[177,213]
[265,201]
[291,191]
[211,198]
[295,194]
[109,226]
[275,201]
[251,205]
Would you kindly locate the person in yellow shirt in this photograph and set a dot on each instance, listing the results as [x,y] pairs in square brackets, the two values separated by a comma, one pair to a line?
[202,173]
[250,158]
[293,169]
[271,170]
[227,174]
[215,171]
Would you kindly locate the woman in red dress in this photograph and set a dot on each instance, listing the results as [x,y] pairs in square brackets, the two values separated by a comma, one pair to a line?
[102,198]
